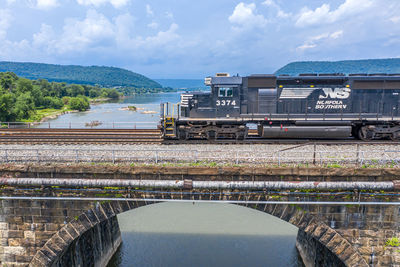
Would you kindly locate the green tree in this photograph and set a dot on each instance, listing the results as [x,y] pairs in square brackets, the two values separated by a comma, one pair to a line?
[75,90]
[24,85]
[6,105]
[37,96]
[94,93]
[79,103]
[24,106]
[52,102]
[112,93]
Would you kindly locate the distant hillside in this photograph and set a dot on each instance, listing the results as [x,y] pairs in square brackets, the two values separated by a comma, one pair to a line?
[93,75]
[390,65]
[182,83]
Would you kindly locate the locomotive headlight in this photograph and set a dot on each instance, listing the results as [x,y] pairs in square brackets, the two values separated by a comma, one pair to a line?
[312,86]
[348,86]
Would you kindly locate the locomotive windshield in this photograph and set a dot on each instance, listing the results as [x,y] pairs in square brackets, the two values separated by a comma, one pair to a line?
[225,92]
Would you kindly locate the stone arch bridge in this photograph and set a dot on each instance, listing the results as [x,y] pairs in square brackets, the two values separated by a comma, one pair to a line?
[66,215]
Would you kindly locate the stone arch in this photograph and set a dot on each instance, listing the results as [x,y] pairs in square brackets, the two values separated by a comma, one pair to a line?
[103,213]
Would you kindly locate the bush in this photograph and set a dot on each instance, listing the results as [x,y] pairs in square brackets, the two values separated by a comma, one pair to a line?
[94,93]
[112,93]
[52,102]
[79,103]
[66,99]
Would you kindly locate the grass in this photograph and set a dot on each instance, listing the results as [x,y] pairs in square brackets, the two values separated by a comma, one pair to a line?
[47,112]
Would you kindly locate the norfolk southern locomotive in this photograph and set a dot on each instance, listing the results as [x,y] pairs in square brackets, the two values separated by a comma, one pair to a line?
[304,106]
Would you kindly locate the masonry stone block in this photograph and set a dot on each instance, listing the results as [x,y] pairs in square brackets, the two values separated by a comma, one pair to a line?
[327,236]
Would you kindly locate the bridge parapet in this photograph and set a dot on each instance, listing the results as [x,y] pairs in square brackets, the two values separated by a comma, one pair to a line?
[350,223]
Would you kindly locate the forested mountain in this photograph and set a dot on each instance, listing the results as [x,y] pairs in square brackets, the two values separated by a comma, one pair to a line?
[390,65]
[93,75]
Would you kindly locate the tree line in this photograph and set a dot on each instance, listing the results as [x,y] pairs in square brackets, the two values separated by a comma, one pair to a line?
[20,97]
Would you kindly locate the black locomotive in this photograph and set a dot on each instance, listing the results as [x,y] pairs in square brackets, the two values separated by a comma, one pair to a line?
[304,106]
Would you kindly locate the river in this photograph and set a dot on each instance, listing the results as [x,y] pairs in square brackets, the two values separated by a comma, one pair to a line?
[115,114]
[177,234]
[185,234]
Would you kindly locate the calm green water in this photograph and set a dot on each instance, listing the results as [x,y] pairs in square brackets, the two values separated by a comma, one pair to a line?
[183,234]
[113,114]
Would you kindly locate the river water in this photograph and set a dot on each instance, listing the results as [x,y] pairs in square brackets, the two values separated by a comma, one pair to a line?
[115,114]
[183,234]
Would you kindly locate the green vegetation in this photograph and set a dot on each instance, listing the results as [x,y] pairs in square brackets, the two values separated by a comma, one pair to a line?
[132,108]
[391,65]
[393,242]
[143,90]
[92,75]
[25,100]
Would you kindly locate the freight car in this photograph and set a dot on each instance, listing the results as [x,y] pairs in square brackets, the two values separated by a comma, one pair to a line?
[365,106]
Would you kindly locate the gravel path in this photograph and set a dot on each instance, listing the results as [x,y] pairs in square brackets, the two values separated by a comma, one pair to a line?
[235,154]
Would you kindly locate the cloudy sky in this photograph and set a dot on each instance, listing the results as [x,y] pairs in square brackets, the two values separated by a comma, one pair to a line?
[193,39]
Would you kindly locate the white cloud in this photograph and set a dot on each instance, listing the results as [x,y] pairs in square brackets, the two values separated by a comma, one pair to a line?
[5,22]
[306,46]
[169,15]
[149,11]
[96,33]
[46,4]
[395,19]
[324,14]
[153,25]
[115,3]
[80,34]
[45,37]
[336,34]
[162,37]
[314,41]
[280,13]
[245,15]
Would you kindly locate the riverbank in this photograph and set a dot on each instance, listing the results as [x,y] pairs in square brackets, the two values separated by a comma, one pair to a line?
[43,115]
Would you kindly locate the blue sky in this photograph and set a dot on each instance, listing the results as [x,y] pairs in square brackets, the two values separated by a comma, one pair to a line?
[193,39]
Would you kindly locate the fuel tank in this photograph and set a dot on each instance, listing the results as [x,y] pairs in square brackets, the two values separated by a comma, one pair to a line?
[305,131]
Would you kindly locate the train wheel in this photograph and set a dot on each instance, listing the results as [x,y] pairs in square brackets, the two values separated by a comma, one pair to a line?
[239,136]
[395,136]
[183,135]
[211,135]
[365,134]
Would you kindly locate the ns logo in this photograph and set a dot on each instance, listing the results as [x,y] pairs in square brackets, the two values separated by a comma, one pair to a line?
[335,93]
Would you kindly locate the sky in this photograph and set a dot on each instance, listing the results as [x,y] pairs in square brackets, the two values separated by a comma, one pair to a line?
[194,39]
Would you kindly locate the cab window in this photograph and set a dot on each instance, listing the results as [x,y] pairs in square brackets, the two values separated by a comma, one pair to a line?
[225,92]
[222,92]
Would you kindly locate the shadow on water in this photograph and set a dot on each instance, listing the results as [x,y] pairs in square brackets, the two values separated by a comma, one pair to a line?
[161,249]
[182,234]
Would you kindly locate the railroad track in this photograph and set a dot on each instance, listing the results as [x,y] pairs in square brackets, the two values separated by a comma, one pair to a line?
[129,136]
[41,135]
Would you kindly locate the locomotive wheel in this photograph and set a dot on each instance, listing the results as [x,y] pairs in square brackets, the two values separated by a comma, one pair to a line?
[395,136]
[365,134]
[239,136]
[211,135]
[183,135]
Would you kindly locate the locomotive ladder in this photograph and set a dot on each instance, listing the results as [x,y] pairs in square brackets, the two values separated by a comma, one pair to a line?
[169,121]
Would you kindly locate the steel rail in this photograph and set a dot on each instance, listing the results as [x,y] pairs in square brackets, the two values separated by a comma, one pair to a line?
[240,202]
[189,184]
